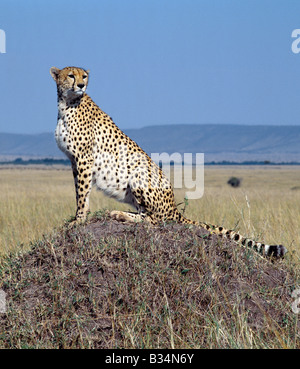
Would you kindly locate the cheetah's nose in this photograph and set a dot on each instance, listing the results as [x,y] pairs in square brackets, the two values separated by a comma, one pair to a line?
[80,85]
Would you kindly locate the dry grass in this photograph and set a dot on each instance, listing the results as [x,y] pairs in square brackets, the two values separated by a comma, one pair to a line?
[34,201]
[113,285]
[265,207]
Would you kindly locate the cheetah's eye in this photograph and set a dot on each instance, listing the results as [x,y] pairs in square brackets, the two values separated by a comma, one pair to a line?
[71,76]
[84,77]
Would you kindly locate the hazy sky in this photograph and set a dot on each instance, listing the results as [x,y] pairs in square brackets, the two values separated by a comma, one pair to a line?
[153,61]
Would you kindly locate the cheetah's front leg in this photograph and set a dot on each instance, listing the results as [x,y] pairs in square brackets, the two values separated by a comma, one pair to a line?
[82,173]
[75,176]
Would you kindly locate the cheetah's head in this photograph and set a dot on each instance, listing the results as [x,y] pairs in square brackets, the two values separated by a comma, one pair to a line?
[71,81]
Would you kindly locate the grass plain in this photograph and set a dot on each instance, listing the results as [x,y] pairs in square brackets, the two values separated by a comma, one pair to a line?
[265,207]
[115,285]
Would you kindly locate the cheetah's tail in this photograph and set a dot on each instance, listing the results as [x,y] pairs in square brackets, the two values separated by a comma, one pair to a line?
[276,251]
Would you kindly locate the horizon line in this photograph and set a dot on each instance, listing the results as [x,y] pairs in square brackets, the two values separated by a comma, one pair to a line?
[170,124]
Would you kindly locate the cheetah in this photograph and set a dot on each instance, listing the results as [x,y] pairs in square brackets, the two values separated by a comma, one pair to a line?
[104,156]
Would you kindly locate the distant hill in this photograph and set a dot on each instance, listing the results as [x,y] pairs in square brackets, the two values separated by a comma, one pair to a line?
[218,142]
[223,142]
[28,146]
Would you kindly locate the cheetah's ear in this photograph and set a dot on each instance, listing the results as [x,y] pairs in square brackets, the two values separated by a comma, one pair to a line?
[54,73]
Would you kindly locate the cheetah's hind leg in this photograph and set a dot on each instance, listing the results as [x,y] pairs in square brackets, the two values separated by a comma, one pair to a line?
[124,216]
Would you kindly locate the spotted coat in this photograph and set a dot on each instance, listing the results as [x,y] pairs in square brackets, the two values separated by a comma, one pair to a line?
[102,155]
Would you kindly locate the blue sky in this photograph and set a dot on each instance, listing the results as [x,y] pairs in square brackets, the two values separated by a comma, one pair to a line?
[153,61]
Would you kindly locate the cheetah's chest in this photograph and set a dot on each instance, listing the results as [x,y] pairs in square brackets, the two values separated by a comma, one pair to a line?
[62,137]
